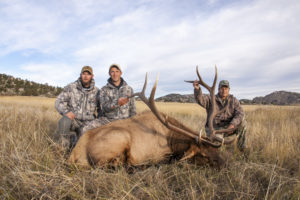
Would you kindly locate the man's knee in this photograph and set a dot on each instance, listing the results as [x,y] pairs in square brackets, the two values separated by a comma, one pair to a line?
[95,124]
[91,125]
[64,125]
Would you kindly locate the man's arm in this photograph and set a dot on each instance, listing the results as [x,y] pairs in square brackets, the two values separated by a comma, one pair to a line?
[62,102]
[238,114]
[202,99]
[99,111]
[106,103]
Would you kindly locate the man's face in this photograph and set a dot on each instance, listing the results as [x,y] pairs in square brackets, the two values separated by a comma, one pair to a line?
[115,74]
[86,78]
[224,92]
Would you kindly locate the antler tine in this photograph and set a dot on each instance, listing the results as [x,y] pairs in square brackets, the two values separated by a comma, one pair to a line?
[145,84]
[149,102]
[215,79]
[152,102]
[151,98]
[142,93]
[201,80]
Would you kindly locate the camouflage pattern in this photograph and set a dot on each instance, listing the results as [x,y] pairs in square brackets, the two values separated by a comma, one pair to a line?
[87,69]
[224,83]
[95,123]
[109,95]
[234,115]
[241,133]
[82,102]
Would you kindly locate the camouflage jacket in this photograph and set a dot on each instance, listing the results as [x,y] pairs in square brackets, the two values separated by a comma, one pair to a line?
[109,95]
[234,114]
[82,102]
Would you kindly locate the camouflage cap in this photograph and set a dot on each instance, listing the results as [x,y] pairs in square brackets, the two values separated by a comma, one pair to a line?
[224,83]
[114,66]
[87,69]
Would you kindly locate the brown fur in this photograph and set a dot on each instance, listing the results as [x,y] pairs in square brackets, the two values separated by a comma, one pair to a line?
[139,140]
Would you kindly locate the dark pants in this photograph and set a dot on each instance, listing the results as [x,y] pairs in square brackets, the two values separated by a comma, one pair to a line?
[69,131]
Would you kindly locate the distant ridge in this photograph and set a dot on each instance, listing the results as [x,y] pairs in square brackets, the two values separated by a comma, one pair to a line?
[278,98]
[11,86]
[275,98]
[188,98]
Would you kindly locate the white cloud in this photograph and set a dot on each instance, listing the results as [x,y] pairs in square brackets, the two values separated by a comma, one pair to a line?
[55,74]
[31,29]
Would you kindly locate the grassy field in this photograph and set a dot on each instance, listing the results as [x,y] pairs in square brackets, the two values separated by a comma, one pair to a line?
[32,166]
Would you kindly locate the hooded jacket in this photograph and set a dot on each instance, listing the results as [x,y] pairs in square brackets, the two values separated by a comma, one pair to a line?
[109,95]
[234,114]
[83,102]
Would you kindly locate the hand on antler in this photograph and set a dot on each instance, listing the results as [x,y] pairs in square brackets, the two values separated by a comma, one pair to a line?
[122,101]
[231,126]
[196,85]
[70,115]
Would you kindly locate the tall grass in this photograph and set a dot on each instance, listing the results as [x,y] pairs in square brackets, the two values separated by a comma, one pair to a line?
[32,166]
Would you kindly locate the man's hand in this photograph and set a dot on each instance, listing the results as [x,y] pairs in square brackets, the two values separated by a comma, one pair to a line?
[70,115]
[122,101]
[230,126]
[196,85]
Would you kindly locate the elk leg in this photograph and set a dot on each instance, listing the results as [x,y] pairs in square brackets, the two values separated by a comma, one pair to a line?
[189,153]
[110,148]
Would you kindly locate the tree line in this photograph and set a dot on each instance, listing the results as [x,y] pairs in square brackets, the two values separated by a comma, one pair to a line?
[16,86]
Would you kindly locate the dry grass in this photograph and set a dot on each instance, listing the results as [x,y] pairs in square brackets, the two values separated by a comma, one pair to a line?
[33,167]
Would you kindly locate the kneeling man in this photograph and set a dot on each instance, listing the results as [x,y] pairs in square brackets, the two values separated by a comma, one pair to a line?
[77,104]
[233,117]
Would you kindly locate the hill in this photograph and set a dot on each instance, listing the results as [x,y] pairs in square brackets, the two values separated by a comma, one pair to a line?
[275,98]
[278,98]
[11,86]
[188,98]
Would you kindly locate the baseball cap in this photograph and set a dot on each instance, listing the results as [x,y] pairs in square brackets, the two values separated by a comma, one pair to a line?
[87,69]
[115,66]
[224,83]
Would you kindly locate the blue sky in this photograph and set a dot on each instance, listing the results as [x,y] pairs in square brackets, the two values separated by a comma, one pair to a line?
[255,44]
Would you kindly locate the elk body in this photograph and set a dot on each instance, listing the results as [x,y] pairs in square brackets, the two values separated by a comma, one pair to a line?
[149,137]
[139,140]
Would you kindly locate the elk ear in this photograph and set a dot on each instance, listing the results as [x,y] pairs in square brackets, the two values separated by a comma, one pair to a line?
[192,151]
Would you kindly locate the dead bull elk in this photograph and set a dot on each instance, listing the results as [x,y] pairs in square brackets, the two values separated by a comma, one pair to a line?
[149,137]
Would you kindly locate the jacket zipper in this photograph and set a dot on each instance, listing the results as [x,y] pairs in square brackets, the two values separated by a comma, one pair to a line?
[85,105]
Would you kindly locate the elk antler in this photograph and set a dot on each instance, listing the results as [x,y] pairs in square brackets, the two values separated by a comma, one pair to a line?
[213,112]
[164,120]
